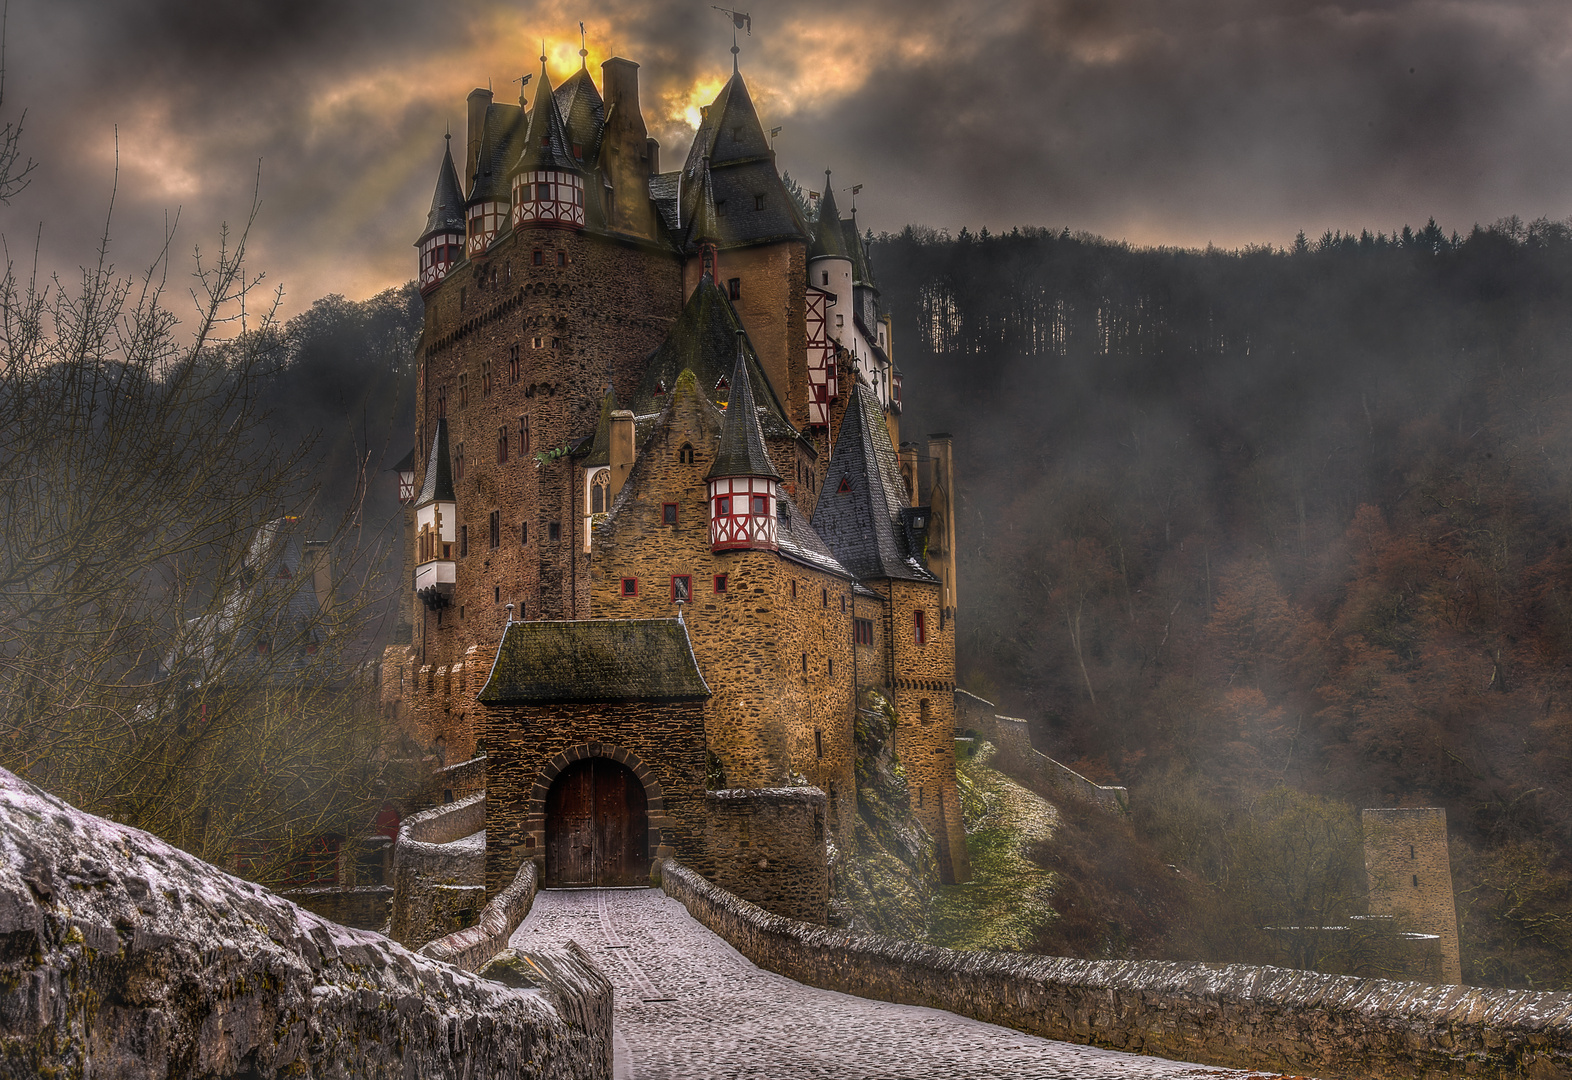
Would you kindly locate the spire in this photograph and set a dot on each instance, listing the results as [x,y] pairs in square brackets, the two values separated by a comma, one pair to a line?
[741,451]
[546,142]
[447,203]
[704,227]
[829,239]
[438,485]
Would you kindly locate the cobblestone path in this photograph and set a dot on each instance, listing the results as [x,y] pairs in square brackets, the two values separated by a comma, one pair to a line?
[690,1007]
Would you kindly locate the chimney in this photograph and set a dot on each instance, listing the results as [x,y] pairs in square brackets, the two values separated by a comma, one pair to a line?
[626,153]
[908,459]
[652,153]
[621,449]
[620,80]
[479,102]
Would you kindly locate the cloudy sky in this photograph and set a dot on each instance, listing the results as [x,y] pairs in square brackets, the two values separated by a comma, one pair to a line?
[1156,121]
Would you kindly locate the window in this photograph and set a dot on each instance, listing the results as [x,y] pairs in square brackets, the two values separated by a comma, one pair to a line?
[543,192]
[485,378]
[723,506]
[524,435]
[685,455]
[536,342]
[818,743]
[824,598]
[556,343]
[578,151]
[1410,851]
[919,627]
[924,711]
[681,588]
[843,605]
[1416,881]
[668,513]
[458,463]
[919,798]
[805,663]
[758,202]
[845,488]
[826,277]
[496,593]
[523,533]
[463,546]
[761,508]
[600,492]
[463,381]
[494,529]
[442,402]
[660,388]
[862,631]
[720,583]
[502,446]
[832,667]
[720,208]
[794,588]
[513,364]
[734,288]
[539,258]
[554,531]
[840,320]
[562,258]
[630,586]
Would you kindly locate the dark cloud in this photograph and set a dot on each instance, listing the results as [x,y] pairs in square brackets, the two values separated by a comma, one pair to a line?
[1226,121]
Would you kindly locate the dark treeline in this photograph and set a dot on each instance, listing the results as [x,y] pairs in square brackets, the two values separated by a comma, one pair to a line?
[1241,521]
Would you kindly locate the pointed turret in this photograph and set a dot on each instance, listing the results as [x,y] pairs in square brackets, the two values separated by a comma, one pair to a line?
[744,485]
[548,180]
[436,526]
[442,243]
[486,211]
[829,238]
[583,115]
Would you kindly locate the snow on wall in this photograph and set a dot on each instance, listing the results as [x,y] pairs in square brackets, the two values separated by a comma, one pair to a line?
[1231,1015]
[122,956]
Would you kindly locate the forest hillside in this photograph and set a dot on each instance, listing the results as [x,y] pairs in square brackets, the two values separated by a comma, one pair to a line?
[1270,536]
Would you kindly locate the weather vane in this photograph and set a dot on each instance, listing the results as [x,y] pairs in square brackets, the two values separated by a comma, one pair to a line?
[739,20]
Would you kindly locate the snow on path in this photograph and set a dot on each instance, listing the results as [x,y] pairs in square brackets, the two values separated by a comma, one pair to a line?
[690,1007]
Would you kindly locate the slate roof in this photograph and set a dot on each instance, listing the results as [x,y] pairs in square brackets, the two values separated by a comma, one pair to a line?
[799,542]
[742,170]
[594,660]
[829,236]
[499,142]
[861,273]
[546,144]
[438,483]
[863,526]
[447,203]
[704,340]
[583,113]
[741,451]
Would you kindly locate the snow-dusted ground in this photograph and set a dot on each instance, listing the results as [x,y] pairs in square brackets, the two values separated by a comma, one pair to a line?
[690,1007]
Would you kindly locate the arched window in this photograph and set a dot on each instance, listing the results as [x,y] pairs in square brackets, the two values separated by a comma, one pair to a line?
[685,454]
[600,492]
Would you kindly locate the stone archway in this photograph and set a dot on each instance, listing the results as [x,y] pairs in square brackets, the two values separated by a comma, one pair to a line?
[596,814]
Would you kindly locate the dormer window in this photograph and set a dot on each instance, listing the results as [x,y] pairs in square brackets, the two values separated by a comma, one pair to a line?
[578,152]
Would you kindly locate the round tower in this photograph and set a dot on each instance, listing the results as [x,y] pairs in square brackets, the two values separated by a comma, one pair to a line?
[442,243]
[743,485]
[830,266]
[547,179]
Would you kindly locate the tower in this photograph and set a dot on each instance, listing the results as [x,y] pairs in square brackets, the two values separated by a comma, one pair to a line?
[743,485]
[1410,876]
[436,525]
[442,244]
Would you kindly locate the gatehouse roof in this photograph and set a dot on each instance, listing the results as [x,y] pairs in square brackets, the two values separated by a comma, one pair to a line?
[549,662]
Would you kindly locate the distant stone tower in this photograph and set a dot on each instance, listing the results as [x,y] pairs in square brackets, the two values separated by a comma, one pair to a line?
[1410,876]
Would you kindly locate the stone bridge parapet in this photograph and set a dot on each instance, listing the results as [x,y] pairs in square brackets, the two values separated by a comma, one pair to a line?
[1234,1016]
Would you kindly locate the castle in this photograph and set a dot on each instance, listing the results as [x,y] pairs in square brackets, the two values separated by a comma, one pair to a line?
[663,530]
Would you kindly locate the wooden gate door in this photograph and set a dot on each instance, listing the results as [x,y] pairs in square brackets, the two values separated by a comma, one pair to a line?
[597,826]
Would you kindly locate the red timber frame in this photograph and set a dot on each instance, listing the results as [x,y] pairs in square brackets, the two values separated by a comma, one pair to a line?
[742,513]
[548,198]
[822,387]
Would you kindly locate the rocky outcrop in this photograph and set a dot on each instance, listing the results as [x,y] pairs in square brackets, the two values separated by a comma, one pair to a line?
[121,956]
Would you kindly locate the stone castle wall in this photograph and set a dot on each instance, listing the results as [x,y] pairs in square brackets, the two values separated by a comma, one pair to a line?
[1233,1016]
[1020,760]
[365,907]
[768,846]
[471,947]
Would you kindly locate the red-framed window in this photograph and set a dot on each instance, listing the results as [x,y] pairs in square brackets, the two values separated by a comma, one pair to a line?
[630,586]
[734,288]
[668,513]
[720,583]
[920,626]
[845,488]
[681,588]
[862,631]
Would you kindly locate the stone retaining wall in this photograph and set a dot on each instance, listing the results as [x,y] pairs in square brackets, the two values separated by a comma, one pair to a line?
[473,946]
[439,871]
[364,907]
[767,845]
[1021,761]
[1234,1016]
